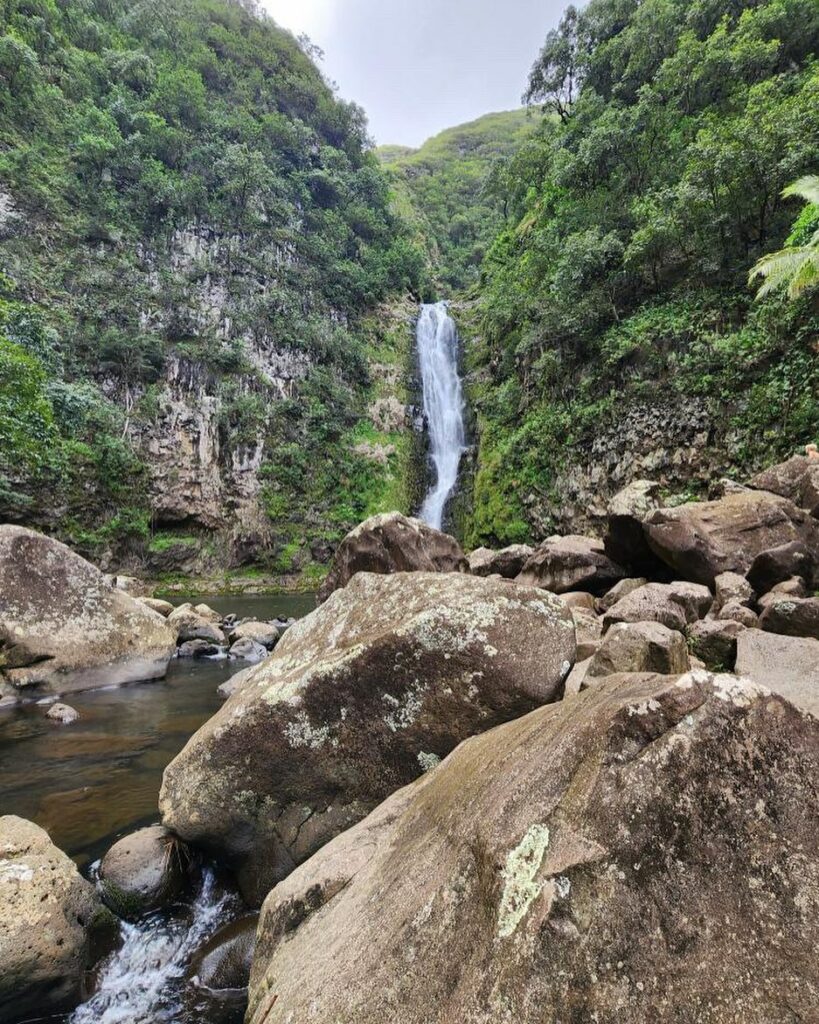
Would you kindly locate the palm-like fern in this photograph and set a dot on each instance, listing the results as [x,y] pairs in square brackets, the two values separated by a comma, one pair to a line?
[797,267]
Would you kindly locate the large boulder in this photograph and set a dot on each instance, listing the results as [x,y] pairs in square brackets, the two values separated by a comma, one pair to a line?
[507,563]
[391,543]
[625,541]
[641,647]
[358,699]
[53,925]
[774,566]
[797,479]
[703,539]
[792,616]
[675,605]
[223,962]
[63,628]
[564,564]
[642,852]
[145,871]
[786,664]
[714,642]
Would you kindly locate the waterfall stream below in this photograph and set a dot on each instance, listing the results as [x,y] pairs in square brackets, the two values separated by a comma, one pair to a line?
[437,341]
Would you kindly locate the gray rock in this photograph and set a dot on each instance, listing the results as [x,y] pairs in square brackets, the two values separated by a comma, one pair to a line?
[53,925]
[640,647]
[198,649]
[625,541]
[163,608]
[797,479]
[62,713]
[618,592]
[714,642]
[143,872]
[589,632]
[246,649]
[228,688]
[63,628]
[731,587]
[792,616]
[787,665]
[265,633]
[507,563]
[564,564]
[778,564]
[223,963]
[675,605]
[733,611]
[387,676]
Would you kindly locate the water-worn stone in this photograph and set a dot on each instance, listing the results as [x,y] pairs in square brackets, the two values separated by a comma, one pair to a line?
[507,563]
[63,628]
[564,564]
[640,647]
[776,565]
[621,856]
[673,604]
[63,713]
[143,872]
[786,664]
[197,623]
[223,962]
[228,688]
[53,925]
[358,699]
[618,592]
[797,479]
[246,649]
[792,616]
[391,543]
[715,643]
[264,633]
[164,608]
[703,539]
[625,541]
[198,649]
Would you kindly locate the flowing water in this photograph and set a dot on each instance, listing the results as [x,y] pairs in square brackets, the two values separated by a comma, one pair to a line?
[90,783]
[437,341]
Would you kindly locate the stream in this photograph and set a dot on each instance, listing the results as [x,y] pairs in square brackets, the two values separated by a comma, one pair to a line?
[90,783]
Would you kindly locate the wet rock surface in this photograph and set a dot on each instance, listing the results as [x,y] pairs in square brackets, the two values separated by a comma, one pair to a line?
[358,699]
[537,867]
[145,871]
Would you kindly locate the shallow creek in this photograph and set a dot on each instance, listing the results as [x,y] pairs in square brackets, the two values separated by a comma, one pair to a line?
[90,783]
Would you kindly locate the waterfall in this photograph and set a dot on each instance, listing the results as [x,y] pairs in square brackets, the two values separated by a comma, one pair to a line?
[437,340]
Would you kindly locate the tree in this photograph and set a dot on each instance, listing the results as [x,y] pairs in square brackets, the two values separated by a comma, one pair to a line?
[796,267]
[556,76]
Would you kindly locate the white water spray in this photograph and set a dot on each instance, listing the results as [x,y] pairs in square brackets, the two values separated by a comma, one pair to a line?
[437,339]
[140,982]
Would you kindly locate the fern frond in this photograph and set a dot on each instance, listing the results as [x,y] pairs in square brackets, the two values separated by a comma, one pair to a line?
[806,188]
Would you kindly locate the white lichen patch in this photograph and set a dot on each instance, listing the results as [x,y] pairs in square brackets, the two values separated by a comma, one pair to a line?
[734,690]
[520,884]
[428,761]
[404,712]
[302,733]
[644,708]
[13,872]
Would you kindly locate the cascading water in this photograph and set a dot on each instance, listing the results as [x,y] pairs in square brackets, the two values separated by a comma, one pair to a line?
[142,982]
[437,340]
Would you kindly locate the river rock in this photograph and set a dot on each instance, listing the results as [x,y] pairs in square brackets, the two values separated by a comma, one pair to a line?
[144,872]
[786,664]
[625,541]
[621,856]
[200,623]
[715,643]
[230,686]
[63,628]
[792,616]
[391,543]
[675,605]
[563,564]
[640,647]
[776,565]
[246,649]
[358,699]
[63,713]
[797,479]
[703,539]
[163,608]
[507,563]
[53,925]
[265,633]
[223,962]
[199,649]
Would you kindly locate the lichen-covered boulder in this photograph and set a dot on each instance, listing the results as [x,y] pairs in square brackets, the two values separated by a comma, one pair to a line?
[797,479]
[391,543]
[642,852]
[145,871]
[358,699]
[53,925]
[508,562]
[703,539]
[564,564]
[792,616]
[640,647]
[63,628]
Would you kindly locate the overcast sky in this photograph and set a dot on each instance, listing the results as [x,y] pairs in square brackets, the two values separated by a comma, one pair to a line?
[418,66]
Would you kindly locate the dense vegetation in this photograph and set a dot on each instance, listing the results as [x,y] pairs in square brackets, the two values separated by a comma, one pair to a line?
[179,181]
[449,193]
[636,212]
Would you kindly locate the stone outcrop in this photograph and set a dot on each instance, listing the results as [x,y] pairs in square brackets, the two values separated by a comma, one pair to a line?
[53,926]
[563,564]
[358,699]
[144,871]
[621,856]
[788,665]
[507,562]
[703,539]
[63,628]
[391,543]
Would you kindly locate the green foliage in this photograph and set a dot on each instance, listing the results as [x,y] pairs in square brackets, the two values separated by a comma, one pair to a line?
[27,430]
[796,267]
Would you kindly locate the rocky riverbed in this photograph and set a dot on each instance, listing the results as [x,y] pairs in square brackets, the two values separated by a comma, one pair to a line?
[571,780]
